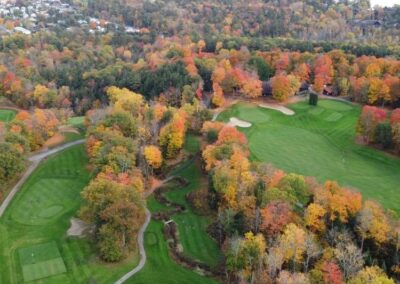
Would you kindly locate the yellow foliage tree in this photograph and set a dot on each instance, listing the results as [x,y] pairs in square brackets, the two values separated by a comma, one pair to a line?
[124,99]
[153,156]
[172,135]
[314,217]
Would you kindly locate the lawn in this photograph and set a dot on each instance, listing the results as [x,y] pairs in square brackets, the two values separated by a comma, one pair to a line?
[33,242]
[160,268]
[7,115]
[319,141]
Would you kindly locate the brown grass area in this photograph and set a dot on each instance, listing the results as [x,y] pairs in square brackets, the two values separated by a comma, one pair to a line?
[54,141]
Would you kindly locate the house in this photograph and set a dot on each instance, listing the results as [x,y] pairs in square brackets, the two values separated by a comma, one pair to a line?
[23,30]
[4,31]
[328,90]
[131,30]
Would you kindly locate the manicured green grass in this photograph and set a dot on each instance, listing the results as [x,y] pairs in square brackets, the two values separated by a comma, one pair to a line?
[40,214]
[319,141]
[7,115]
[192,227]
[192,144]
[160,268]
[76,121]
[41,261]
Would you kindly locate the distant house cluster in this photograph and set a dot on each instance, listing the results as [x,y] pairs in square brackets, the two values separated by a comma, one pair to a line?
[49,14]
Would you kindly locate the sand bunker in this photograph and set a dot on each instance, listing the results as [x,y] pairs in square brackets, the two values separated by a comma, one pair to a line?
[280,108]
[233,121]
[78,228]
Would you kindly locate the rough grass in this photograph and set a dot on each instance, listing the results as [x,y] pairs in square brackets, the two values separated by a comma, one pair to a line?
[76,121]
[7,115]
[320,141]
[41,212]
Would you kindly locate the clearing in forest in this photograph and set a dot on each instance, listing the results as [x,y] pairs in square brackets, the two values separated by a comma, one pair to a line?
[196,243]
[320,141]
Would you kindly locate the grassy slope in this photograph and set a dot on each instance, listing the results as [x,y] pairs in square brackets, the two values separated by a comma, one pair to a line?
[41,212]
[319,141]
[7,115]
[192,229]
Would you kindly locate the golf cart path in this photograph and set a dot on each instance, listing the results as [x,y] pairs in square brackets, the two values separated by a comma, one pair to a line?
[35,161]
[142,251]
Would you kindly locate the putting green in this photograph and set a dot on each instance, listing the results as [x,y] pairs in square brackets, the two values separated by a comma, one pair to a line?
[42,203]
[7,115]
[319,141]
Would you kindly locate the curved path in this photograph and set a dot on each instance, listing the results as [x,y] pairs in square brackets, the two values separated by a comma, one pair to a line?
[143,256]
[142,251]
[35,161]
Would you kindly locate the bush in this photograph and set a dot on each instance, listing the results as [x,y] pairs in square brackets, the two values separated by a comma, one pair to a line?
[383,134]
[212,136]
[11,162]
[313,100]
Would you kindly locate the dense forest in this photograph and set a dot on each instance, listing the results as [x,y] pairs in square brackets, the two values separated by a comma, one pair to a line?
[142,93]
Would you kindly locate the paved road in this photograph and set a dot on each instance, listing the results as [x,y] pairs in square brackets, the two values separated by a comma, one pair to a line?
[143,256]
[35,161]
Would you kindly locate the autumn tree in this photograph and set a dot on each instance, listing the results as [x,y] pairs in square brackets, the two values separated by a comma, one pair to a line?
[314,217]
[275,216]
[395,125]
[378,91]
[349,258]
[124,99]
[153,156]
[281,88]
[172,135]
[370,117]
[331,273]
[246,255]
[11,162]
[292,243]
[116,211]
[323,71]
[372,223]
[371,274]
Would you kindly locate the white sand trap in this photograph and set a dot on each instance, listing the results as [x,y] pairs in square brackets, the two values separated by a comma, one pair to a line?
[280,108]
[233,121]
[78,228]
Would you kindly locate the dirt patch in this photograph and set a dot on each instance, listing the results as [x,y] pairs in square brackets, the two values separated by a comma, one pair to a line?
[78,228]
[277,107]
[54,141]
[68,128]
[233,121]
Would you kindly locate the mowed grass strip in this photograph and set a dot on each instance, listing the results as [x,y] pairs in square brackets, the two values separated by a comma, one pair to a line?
[41,261]
[38,253]
[320,141]
[6,115]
